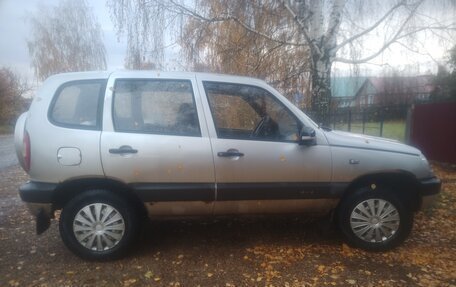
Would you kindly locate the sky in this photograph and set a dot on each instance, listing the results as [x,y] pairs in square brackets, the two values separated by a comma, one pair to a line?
[15,29]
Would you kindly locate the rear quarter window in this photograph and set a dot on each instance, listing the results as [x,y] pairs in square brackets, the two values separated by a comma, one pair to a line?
[78,104]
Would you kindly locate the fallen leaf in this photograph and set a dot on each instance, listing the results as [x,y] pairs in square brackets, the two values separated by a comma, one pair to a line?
[129,282]
[148,274]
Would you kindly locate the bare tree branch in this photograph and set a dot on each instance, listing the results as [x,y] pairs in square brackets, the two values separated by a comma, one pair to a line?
[375,25]
[417,52]
[303,27]
[189,12]
[393,40]
[395,37]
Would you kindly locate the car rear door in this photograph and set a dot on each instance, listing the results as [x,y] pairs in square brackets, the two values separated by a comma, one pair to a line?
[260,167]
[155,140]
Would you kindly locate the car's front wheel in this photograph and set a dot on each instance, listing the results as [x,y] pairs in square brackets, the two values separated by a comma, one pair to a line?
[98,225]
[374,220]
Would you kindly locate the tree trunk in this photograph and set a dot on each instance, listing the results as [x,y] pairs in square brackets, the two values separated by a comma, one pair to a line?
[321,90]
[322,49]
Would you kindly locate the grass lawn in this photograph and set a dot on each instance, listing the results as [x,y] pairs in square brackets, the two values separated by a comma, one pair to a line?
[391,129]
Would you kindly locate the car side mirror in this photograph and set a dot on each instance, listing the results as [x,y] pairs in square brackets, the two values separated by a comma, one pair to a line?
[307,136]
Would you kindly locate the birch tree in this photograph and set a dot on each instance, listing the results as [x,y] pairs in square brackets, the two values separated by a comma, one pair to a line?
[230,48]
[346,31]
[143,22]
[65,38]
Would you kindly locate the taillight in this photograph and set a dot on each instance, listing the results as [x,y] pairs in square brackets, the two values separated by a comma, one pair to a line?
[26,151]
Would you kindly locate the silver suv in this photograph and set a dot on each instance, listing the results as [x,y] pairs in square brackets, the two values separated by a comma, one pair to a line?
[108,149]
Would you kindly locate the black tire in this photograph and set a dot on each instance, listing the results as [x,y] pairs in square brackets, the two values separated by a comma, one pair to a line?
[128,220]
[352,204]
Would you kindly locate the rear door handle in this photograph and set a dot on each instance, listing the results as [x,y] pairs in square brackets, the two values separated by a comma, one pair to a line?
[125,149]
[230,153]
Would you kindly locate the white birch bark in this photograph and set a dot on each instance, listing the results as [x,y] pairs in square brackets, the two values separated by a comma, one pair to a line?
[323,53]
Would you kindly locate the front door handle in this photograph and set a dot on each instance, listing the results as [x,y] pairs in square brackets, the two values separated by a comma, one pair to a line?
[230,153]
[125,149]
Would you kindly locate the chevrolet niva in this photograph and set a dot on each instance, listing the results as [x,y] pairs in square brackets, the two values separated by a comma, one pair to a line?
[109,149]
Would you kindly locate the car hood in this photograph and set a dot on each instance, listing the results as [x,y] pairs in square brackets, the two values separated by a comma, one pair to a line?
[346,139]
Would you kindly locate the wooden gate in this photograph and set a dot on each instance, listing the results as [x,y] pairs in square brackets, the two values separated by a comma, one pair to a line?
[433,130]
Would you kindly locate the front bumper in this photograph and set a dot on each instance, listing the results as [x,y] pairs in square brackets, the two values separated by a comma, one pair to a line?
[39,198]
[429,189]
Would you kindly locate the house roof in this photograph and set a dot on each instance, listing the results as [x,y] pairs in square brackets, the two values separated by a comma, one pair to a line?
[346,87]
[394,85]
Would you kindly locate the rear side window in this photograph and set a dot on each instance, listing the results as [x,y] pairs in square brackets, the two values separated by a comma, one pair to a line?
[155,106]
[78,104]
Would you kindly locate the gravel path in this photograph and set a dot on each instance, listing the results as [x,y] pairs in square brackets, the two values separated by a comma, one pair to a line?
[7,152]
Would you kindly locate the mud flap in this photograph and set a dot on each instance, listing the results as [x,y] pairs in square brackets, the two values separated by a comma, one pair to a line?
[42,222]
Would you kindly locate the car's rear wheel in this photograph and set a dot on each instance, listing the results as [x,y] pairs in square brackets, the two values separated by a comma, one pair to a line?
[98,225]
[374,220]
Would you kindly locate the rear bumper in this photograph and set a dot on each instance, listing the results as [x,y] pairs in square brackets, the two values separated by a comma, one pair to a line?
[37,192]
[39,197]
[429,189]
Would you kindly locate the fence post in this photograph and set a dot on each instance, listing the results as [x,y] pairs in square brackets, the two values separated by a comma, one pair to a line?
[349,119]
[381,121]
[364,119]
[408,124]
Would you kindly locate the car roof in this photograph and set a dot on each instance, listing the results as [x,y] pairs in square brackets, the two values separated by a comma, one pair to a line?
[149,73]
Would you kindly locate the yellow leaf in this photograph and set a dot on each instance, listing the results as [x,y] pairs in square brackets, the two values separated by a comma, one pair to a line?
[129,282]
[149,274]
[210,275]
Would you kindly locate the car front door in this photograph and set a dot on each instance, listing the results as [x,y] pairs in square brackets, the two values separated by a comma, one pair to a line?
[154,140]
[260,165]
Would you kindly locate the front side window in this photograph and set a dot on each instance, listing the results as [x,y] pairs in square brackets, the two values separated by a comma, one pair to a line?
[77,104]
[249,113]
[155,106]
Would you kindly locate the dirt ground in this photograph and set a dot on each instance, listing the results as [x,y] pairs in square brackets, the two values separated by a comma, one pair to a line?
[231,252]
